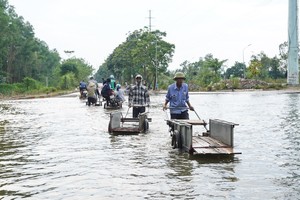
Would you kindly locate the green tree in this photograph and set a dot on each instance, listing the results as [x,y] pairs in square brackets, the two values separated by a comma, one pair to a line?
[102,73]
[79,69]
[276,71]
[210,71]
[283,56]
[191,69]
[254,69]
[269,67]
[21,53]
[143,52]
[237,70]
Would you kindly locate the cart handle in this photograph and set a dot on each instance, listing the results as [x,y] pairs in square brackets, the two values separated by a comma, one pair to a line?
[188,109]
[139,105]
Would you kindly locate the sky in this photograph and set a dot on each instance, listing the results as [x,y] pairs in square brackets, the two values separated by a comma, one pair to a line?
[228,29]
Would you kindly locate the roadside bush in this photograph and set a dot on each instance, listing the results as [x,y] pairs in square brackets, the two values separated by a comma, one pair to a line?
[275,86]
[235,82]
[67,81]
[49,89]
[164,82]
[217,86]
[31,84]
[210,87]
[28,86]
[6,89]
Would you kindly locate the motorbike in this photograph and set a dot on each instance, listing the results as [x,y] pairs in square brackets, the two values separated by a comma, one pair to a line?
[112,102]
[83,94]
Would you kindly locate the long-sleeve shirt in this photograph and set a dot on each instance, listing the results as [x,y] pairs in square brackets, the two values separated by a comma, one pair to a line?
[178,97]
[120,95]
[138,95]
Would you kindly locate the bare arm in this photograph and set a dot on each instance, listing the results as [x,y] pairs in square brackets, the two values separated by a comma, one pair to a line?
[165,105]
[190,106]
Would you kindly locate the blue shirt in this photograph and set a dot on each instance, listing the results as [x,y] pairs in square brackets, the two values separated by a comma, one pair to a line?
[82,85]
[178,97]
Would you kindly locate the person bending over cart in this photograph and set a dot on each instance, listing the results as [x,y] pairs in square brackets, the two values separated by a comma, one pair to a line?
[178,97]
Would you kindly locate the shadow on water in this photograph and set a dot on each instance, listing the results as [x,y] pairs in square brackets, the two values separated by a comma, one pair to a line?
[206,159]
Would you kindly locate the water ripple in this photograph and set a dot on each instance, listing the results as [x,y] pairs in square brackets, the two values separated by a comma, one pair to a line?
[59,148]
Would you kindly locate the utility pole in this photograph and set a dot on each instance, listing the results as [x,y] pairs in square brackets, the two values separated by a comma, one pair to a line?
[156,88]
[293,48]
[150,20]
[244,70]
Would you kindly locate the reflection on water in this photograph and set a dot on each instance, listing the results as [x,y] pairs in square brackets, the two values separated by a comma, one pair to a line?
[59,148]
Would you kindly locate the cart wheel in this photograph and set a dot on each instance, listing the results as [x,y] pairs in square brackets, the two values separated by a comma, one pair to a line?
[174,140]
[179,140]
[104,105]
[146,125]
[109,127]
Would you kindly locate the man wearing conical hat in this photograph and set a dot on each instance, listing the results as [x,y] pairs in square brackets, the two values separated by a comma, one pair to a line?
[178,97]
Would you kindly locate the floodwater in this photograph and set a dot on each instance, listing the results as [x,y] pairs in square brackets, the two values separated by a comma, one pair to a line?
[59,148]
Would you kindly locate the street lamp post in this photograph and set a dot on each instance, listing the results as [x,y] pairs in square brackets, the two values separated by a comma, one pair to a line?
[156,65]
[69,53]
[244,58]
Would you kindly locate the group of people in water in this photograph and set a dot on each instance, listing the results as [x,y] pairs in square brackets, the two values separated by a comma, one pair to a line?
[138,96]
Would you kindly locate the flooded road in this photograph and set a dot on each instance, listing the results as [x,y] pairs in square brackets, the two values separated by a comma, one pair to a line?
[59,148]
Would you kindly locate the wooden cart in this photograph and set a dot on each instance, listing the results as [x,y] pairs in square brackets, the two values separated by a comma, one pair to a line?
[218,140]
[118,125]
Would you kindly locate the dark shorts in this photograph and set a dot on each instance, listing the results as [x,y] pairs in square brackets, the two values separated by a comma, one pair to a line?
[92,100]
[81,89]
[183,115]
[137,110]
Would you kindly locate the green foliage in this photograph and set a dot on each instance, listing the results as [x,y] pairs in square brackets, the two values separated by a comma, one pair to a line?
[206,77]
[262,67]
[68,81]
[236,71]
[213,64]
[102,73]
[76,66]
[21,54]
[28,86]
[191,70]
[48,89]
[217,86]
[204,72]
[6,89]
[276,70]
[255,69]
[27,62]
[276,81]
[68,67]
[30,83]
[275,86]
[235,83]
[143,52]
[165,81]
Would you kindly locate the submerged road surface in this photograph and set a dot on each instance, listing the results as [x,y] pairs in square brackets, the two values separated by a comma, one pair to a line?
[59,148]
